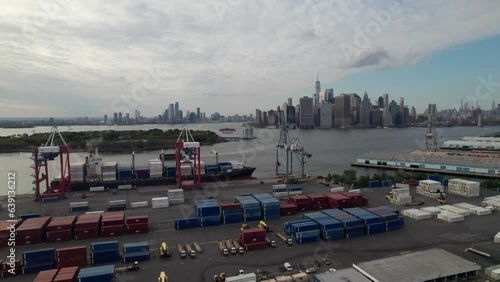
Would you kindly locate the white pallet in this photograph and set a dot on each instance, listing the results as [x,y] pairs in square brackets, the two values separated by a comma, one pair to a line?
[125,187]
[96,189]
[177,201]
[465,206]
[453,209]
[493,272]
[78,204]
[480,211]
[337,189]
[450,217]
[432,210]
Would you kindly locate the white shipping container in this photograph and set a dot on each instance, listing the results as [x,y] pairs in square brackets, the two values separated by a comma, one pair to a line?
[78,204]
[139,204]
[95,212]
[497,238]
[96,189]
[250,277]
[432,210]
[125,187]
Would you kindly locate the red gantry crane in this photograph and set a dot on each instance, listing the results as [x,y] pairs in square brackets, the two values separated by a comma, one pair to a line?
[186,143]
[41,156]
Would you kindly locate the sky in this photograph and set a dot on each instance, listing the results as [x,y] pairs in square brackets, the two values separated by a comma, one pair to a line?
[67,58]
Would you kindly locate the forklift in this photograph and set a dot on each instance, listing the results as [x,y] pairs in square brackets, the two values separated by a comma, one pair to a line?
[441,200]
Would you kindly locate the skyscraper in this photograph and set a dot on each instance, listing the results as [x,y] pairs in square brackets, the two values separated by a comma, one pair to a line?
[365,111]
[105,118]
[402,111]
[342,110]
[329,96]
[115,118]
[306,112]
[493,106]
[413,115]
[165,116]
[394,109]
[326,115]
[258,117]
[176,113]
[318,89]
[198,117]
[386,101]
[290,102]
[120,118]
[380,102]
[171,113]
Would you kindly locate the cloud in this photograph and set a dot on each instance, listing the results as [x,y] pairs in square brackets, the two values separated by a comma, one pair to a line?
[84,56]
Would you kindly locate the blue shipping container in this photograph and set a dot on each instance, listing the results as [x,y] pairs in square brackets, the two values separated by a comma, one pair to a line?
[104,256]
[48,253]
[31,215]
[137,256]
[136,247]
[104,246]
[104,273]
[37,268]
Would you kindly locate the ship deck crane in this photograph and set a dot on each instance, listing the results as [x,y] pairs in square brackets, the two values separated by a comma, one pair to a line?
[186,143]
[287,151]
[41,157]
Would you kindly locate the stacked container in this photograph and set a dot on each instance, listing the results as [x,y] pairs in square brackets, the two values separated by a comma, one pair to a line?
[186,169]
[184,223]
[155,168]
[104,273]
[124,171]
[288,209]
[231,213]
[202,168]
[208,212]
[77,172]
[330,229]
[338,201]
[135,252]
[270,206]
[117,205]
[108,171]
[374,184]
[5,231]
[30,215]
[372,222]
[389,216]
[38,260]
[386,183]
[78,206]
[280,191]
[225,167]
[60,229]
[318,201]
[429,188]
[294,190]
[112,224]
[304,231]
[32,231]
[7,271]
[104,252]
[353,226]
[142,172]
[356,199]
[302,202]
[66,274]
[170,171]
[251,210]
[176,196]
[46,275]
[159,203]
[87,226]
[463,187]
[137,224]
[74,256]
[253,239]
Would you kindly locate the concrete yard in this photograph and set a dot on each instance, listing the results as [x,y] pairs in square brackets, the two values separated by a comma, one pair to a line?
[415,235]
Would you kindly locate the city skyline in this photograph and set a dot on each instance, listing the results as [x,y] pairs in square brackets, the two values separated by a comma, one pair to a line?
[78,60]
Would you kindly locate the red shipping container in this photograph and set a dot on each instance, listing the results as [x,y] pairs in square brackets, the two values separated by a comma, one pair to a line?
[338,201]
[137,219]
[88,233]
[253,235]
[46,276]
[115,230]
[356,199]
[298,199]
[62,223]
[75,256]
[6,265]
[288,209]
[32,231]
[304,206]
[113,218]
[72,269]
[58,236]
[318,198]
[65,277]
[5,273]
[254,246]
[230,207]
[86,221]
[320,206]
[138,228]
[5,231]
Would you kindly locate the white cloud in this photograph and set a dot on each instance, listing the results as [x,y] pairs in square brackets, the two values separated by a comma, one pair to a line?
[81,56]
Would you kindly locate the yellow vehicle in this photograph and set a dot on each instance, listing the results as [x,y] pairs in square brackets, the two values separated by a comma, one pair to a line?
[441,199]
[163,277]
[388,196]
[164,250]
[264,226]
[244,226]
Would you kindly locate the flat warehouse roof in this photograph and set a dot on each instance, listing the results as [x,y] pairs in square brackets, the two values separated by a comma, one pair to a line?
[343,275]
[417,266]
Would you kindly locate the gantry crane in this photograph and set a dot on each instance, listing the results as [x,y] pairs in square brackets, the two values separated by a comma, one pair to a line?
[185,143]
[41,157]
[286,151]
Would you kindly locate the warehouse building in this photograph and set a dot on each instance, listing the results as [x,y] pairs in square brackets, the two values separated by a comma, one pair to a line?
[342,275]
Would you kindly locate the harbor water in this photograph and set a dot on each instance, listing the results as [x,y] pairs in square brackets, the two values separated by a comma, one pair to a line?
[333,150]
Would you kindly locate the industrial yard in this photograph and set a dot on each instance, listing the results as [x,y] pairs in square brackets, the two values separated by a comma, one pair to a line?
[415,235]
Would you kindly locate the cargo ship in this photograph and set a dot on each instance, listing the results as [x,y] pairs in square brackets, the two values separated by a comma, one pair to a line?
[93,173]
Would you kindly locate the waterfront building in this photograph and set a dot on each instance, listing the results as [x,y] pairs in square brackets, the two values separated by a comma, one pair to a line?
[306,119]
[326,113]
[342,109]
[365,111]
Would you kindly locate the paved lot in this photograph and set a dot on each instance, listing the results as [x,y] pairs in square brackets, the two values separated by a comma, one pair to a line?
[415,235]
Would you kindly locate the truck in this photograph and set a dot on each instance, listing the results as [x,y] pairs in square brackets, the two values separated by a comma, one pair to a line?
[223,248]
[238,247]
[271,243]
[182,252]
[197,247]
[285,239]
[163,277]
[229,244]
[190,250]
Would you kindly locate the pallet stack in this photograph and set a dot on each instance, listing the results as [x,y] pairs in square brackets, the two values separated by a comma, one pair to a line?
[430,188]
[155,168]
[473,209]
[401,196]
[417,214]
[159,203]
[493,201]
[455,210]
[450,216]
[463,187]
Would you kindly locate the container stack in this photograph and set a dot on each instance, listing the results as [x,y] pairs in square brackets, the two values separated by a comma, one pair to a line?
[135,252]
[184,223]
[493,201]
[473,209]
[338,201]
[176,196]
[137,224]
[457,210]
[112,224]
[226,167]
[280,191]
[97,274]
[124,171]
[117,205]
[302,202]
[5,231]
[159,203]
[270,206]
[493,272]
[202,168]
[75,256]
[155,168]
[66,274]
[142,172]
[288,209]
[29,215]
[6,269]
[186,170]
[374,184]
[212,169]
[231,213]
[430,188]
[38,260]
[77,172]
[108,171]
[60,229]
[294,190]
[417,214]
[450,216]
[104,252]
[401,196]
[170,171]
[305,231]
[353,226]
[253,239]
[208,212]
[355,199]
[32,231]
[318,201]
[391,218]
[386,183]
[463,187]
[372,222]
[331,229]
[87,226]
[251,209]
[78,206]
[46,275]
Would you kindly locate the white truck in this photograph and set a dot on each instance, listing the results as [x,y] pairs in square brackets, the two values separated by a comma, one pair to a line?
[230,246]
[270,242]
[223,248]
[182,252]
[285,239]
[190,250]
[238,247]
[197,247]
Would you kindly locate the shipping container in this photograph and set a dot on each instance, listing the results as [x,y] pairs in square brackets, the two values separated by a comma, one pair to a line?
[32,231]
[62,223]
[97,274]
[138,228]
[5,229]
[105,256]
[87,233]
[137,219]
[136,247]
[74,256]
[135,256]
